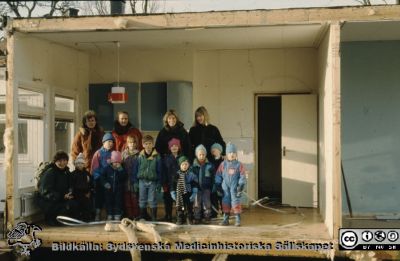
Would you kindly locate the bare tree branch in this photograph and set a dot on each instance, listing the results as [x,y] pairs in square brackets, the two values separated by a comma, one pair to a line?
[132,4]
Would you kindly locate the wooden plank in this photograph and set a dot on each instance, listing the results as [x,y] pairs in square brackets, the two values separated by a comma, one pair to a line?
[336,164]
[209,19]
[259,225]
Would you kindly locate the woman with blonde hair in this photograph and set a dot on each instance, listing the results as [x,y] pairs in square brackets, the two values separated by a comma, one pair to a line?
[173,128]
[203,132]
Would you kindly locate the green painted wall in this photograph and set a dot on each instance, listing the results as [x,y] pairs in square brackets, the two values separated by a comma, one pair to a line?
[370,91]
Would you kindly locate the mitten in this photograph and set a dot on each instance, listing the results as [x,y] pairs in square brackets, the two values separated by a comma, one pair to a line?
[194,194]
[173,195]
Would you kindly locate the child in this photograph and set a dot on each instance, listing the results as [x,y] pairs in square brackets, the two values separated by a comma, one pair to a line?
[171,167]
[113,182]
[129,162]
[101,159]
[205,174]
[81,187]
[216,159]
[148,175]
[184,188]
[231,178]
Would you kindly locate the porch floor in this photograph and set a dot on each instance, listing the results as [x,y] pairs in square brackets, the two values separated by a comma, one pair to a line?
[302,225]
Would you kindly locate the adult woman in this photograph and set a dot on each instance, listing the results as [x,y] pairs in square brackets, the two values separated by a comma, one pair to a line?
[55,192]
[173,128]
[202,132]
[88,139]
[124,128]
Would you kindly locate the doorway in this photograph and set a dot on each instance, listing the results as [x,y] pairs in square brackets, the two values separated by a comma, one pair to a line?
[269,129]
[287,148]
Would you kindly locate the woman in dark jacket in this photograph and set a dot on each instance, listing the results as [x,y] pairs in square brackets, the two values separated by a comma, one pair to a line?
[88,139]
[204,133]
[55,192]
[173,128]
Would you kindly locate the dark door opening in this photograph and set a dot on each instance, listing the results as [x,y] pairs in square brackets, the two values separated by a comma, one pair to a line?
[269,131]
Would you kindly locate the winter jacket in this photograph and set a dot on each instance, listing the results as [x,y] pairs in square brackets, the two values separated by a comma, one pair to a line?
[206,135]
[121,133]
[130,163]
[114,177]
[178,132]
[216,162]
[100,161]
[205,174]
[87,141]
[191,181]
[230,174]
[80,182]
[149,168]
[55,183]
[170,168]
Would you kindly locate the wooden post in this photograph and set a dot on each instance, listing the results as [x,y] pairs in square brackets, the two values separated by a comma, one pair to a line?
[337,191]
[10,154]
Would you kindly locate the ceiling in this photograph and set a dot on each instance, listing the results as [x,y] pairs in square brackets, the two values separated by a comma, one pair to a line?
[197,38]
[370,31]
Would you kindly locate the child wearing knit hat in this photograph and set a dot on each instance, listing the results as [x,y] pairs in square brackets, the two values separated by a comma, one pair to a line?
[81,188]
[230,179]
[204,171]
[113,182]
[171,167]
[216,198]
[184,188]
[100,160]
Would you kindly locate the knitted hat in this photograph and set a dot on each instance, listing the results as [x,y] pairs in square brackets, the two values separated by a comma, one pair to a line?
[182,159]
[107,136]
[173,142]
[201,147]
[217,146]
[116,157]
[231,148]
[79,159]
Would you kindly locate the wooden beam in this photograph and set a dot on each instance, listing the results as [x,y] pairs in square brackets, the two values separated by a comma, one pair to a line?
[209,19]
[336,101]
[10,154]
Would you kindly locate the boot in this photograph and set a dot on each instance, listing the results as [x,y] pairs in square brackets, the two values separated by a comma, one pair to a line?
[153,214]
[179,218]
[97,217]
[225,220]
[237,220]
[143,213]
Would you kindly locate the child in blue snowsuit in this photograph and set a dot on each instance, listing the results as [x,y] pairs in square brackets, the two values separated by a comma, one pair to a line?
[113,180]
[231,179]
[100,160]
[204,171]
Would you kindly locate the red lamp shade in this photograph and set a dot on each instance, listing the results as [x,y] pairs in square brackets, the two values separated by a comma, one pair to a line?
[117,95]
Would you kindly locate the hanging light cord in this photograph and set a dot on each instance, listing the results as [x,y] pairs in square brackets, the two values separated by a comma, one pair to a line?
[118,45]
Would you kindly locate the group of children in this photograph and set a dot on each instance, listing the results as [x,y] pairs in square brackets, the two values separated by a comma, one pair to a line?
[135,178]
